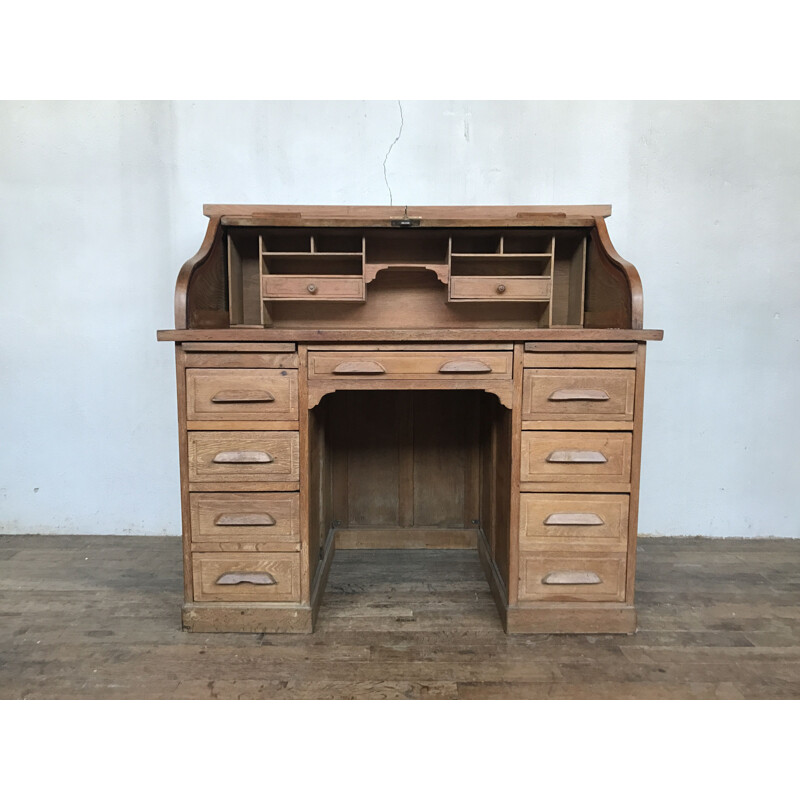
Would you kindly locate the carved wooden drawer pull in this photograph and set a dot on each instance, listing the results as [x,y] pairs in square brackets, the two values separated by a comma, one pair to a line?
[571,578]
[258,578]
[573,519]
[467,365]
[242,396]
[576,457]
[358,368]
[245,519]
[579,394]
[243,457]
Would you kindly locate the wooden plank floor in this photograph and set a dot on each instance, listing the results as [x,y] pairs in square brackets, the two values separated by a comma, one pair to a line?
[99,617]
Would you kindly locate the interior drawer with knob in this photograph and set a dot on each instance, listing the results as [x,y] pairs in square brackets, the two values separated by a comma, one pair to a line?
[573,520]
[241,394]
[245,520]
[578,394]
[240,456]
[249,577]
[511,287]
[567,577]
[312,287]
[578,457]
[393,365]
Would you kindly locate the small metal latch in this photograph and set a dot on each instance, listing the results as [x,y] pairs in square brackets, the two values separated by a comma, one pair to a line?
[405,221]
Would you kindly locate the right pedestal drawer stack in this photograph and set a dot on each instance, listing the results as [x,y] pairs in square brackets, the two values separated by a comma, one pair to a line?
[579,472]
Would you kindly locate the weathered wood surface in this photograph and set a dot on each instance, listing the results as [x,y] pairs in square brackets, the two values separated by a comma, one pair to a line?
[99,617]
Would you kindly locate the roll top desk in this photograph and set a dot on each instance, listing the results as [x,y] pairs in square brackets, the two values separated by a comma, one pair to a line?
[427,377]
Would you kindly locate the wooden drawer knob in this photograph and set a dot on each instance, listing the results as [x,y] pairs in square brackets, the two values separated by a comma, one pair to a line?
[574,519]
[258,578]
[501,287]
[579,394]
[312,288]
[243,457]
[243,396]
[359,368]
[245,519]
[571,578]
[465,365]
[576,457]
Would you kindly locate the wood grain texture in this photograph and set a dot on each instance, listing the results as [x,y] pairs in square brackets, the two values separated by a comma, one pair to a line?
[487,332]
[578,394]
[280,447]
[99,617]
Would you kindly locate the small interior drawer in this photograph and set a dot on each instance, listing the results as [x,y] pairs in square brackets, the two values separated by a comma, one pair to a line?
[567,577]
[444,365]
[576,456]
[575,520]
[256,577]
[474,287]
[241,394]
[578,394]
[312,287]
[243,456]
[264,518]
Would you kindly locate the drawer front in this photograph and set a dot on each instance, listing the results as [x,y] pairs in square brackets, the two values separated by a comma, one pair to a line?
[578,394]
[241,394]
[312,287]
[265,518]
[553,521]
[445,365]
[469,287]
[567,577]
[243,456]
[580,457]
[257,577]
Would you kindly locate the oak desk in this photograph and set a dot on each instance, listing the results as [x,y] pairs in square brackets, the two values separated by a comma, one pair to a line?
[436,377]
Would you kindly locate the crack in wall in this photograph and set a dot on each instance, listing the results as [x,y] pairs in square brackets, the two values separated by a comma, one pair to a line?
[386,157]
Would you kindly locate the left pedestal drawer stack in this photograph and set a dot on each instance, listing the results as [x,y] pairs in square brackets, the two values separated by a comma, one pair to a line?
[241,475]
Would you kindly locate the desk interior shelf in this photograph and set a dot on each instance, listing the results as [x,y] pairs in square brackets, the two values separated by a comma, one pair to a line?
[543,271]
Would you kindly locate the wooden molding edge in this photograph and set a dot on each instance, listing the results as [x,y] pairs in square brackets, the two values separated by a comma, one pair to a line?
[321,578]
[185,274]
[630,272]
[246,618]
[493,577]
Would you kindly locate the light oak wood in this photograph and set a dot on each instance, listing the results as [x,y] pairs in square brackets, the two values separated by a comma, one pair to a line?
[569,577]
[585,394]
[403,365]
[576,521]
[579,457]
[385,333]
[264,518]
[215,456]
[312,287]
[485,387]
[247,577]
[501,289]
[241,394]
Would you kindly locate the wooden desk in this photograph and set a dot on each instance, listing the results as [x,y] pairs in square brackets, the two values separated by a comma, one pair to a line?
[443,377]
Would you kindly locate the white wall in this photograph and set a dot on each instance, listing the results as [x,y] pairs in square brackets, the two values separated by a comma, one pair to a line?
[100,204]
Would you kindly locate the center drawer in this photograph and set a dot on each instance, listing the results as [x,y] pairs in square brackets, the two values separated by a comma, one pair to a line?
[244,456]
[241,394]
[445,365]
